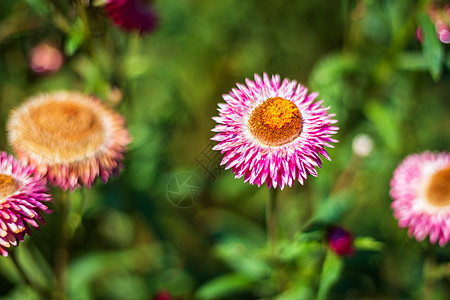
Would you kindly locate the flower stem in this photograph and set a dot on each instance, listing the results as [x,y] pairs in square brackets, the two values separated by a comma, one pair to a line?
[61,254]
[271,220]
[87,31]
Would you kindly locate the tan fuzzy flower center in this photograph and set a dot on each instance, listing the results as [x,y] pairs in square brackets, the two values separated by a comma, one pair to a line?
[8,186]
[62,131]
[438,191]
[275,122]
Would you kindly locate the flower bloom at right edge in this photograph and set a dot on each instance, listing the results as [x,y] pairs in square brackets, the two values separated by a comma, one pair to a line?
[420,190]
[273,132]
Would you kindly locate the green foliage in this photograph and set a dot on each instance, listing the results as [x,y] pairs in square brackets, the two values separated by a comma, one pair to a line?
[76,37]
[40,7]
[224,286]
[368,243]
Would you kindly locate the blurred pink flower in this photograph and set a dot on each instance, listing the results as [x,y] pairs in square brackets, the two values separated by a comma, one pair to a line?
[420,190]
[45,58]
[132,15]
[164,295]
[340,241]
[273,132]
[22,193]
[441,19]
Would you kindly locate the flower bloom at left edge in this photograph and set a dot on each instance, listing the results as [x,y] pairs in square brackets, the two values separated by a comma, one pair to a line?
[22,194]
[273,132]
[71,138]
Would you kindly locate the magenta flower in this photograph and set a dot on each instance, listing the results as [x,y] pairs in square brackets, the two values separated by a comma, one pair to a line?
[22,193]
[273,132]
[420,190]
[132,15]
[340,241]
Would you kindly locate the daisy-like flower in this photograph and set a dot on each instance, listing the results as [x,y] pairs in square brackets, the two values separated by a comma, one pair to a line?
[273,132]
[70,137]
[420,189]
[132,15]
[22,193]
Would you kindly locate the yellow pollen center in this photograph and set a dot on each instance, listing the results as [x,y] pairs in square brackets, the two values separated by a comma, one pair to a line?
[62,131]
[7,186]
[438,191]
[276,121]
[279,112]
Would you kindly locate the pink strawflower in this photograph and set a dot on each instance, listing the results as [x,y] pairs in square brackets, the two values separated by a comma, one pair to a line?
[132,15]
[71,138]
[22,193]
[340,241]
[273,132]
[420,190]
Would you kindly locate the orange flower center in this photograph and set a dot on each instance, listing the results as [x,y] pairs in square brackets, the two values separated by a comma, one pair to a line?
[438,191]
[62,131]
[66,121]
[275,122]
[7,185]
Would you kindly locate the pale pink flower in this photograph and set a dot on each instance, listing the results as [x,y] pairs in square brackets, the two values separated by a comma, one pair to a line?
[420,190]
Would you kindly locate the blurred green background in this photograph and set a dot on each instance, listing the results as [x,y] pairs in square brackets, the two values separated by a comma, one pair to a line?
[138,234]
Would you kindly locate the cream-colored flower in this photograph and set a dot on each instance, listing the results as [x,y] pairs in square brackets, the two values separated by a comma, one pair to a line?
[70,137]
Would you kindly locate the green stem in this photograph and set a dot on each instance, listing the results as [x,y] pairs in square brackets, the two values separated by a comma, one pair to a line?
[271,220]
[429,268]
[87,31]
[61,254]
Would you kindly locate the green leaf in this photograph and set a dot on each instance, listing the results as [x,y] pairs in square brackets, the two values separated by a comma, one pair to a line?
[224,286]
[36,271]
[242,259]
[90,268]
[296,292]
[303,244]
[411,61]
[94,81]
[334,207]
[39,6]
[432,49]
[368,243]
[385,121]
[331,270]
[76,37]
